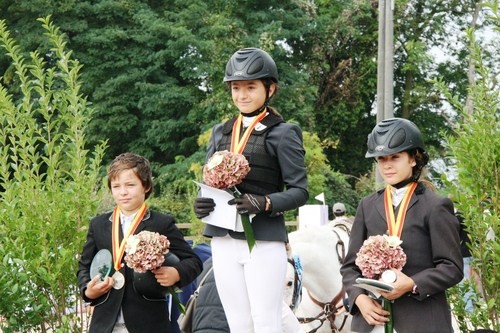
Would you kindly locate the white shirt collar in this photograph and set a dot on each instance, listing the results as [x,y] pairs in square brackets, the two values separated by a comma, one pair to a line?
[248,120]
[126,221]
[397,195]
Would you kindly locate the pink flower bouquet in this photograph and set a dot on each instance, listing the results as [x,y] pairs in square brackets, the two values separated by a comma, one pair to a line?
[378,254]
[146,251]
[225,170]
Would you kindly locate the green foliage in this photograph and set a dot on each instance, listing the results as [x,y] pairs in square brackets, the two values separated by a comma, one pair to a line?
[317,166]
[322,179]
[154,69]
[345,74]
[153,73]
[178,191]
[48,183]
[474,148]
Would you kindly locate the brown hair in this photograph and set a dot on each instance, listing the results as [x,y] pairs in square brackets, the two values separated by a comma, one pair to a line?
[138,164]
[421,159]
[419,172]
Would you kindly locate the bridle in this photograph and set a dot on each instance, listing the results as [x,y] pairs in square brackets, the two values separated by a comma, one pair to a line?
[329,309]
[297,281]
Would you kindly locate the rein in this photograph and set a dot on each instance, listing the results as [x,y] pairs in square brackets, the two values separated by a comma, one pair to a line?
[329,309]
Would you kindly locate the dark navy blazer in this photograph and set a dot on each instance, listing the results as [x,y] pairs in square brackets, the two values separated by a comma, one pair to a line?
[434,261]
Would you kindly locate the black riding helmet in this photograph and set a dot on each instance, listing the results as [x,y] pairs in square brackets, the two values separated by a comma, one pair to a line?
[250,64]
[392,136]
[395,135]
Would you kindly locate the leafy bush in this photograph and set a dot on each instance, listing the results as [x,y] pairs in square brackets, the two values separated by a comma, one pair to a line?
[49,188]
[475,147]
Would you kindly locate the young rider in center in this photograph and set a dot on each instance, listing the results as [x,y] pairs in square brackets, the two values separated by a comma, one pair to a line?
[251,284]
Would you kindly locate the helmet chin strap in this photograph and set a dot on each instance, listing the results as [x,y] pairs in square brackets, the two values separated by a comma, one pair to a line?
[256,112]
[405,182]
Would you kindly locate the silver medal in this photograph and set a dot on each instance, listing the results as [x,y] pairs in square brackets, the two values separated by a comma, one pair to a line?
[119,280]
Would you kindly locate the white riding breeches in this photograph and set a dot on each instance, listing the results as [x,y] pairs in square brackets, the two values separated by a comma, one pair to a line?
[250,285]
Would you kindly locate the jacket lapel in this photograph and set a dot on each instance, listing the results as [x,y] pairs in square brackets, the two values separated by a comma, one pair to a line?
[379,205]
[143,223]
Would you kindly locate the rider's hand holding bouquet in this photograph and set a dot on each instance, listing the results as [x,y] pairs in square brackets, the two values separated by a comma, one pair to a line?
[378,255]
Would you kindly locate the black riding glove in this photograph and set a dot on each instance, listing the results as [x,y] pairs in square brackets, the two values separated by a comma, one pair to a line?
[203,207]
[249,203]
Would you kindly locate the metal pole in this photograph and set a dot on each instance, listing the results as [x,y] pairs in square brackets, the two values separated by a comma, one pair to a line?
[389,61]
[385,62]
[380,61]
[385,72]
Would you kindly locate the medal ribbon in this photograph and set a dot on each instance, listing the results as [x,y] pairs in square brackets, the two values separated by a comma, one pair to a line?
[237,143]
[395,227]
[119,248]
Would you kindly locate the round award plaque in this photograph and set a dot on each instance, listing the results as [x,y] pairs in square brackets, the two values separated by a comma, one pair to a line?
[101,264]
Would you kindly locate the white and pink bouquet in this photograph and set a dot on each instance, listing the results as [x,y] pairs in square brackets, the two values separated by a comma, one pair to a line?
[225,169]
[146,251]
[380,253]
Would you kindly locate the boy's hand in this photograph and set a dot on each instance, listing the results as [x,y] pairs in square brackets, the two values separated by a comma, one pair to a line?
[96,288]
[166,276]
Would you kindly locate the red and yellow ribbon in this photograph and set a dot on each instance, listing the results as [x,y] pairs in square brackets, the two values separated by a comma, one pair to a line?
[237,143]
[395,226]
[119,248]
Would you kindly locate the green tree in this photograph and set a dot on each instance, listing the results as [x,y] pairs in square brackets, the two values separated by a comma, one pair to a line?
[323,179]
[428,46]
[153,70]
[474,148]
[343,70]
[50,187]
